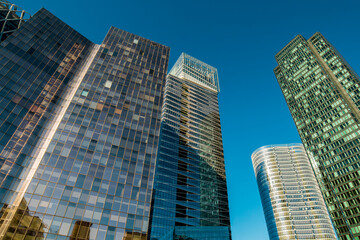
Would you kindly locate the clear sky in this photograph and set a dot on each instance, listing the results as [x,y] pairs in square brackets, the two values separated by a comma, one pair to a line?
[240,38]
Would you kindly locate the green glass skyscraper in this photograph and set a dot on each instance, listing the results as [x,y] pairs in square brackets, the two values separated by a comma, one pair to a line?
[322,93]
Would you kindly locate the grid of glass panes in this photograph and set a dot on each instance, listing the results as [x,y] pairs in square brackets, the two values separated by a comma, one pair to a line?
[320,90]
[95,179]
[98,171]
[38,62]
[190,183]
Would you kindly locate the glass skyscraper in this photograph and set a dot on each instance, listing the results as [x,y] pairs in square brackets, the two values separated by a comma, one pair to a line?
[293,205]
[79,132]
[322,93]
[190,194]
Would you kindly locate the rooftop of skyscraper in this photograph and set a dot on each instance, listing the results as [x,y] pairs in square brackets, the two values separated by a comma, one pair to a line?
[192,69]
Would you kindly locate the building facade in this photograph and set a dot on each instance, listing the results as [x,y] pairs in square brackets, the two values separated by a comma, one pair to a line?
[190,193]
[292,202]
[79,132]
[322,93]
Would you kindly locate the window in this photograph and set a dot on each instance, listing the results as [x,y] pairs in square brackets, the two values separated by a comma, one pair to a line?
[108,84]
[31,51]
[84,93]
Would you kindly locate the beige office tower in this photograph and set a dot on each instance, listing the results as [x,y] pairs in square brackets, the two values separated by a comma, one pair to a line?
[292,202]
[322,93]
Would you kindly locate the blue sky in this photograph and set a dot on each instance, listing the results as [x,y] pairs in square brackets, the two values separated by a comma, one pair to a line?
[240,38]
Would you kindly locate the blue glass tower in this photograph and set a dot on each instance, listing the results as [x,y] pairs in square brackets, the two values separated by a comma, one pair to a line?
[190,193]
[79,132]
